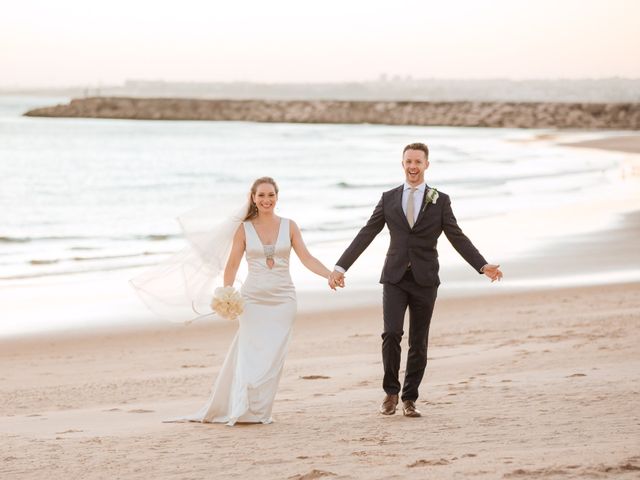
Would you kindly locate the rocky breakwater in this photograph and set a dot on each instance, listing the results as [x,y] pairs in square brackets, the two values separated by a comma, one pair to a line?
[619,116]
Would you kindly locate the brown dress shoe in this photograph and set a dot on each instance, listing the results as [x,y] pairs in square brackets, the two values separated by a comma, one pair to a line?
[409,409]
[389,404]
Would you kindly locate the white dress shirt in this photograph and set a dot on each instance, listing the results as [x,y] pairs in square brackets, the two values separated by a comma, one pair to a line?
[418,195]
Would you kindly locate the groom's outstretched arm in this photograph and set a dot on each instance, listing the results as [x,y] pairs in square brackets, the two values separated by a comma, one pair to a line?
[364,237]
[458,239]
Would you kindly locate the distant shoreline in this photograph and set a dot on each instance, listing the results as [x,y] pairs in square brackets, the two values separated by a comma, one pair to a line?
[627,144]
[601,116]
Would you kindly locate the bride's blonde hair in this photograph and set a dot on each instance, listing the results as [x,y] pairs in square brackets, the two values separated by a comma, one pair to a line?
[252,212]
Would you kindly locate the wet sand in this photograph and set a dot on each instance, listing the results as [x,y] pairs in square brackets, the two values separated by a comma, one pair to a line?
[627,143]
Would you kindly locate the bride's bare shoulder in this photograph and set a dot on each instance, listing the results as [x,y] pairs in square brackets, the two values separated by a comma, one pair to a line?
[240,234]
[293,227]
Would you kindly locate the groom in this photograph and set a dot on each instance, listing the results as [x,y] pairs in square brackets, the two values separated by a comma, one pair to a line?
[416,215]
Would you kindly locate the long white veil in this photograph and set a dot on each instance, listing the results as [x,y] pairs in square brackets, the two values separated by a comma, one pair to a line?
[180,288]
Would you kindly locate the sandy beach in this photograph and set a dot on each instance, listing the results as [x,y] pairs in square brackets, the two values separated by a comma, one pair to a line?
[524,385]
[626,143]
[529,382]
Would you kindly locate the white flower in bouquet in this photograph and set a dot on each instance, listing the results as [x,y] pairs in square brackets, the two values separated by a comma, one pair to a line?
[227,302]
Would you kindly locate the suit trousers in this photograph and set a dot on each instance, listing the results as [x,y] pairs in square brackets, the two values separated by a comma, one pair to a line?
[396,297]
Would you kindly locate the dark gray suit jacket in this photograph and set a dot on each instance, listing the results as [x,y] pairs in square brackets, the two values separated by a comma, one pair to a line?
[417,245]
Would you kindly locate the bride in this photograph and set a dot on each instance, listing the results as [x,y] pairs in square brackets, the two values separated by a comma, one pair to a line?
[246,385]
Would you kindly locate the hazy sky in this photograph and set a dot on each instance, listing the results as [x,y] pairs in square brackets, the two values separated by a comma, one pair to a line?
[79,42]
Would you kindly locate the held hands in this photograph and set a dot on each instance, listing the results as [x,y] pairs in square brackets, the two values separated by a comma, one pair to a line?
[492,271]
[336,279]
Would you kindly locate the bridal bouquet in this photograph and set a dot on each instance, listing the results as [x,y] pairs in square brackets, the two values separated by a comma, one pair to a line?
[227,303]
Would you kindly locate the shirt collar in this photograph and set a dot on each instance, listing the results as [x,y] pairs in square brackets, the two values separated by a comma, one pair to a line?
[420,187]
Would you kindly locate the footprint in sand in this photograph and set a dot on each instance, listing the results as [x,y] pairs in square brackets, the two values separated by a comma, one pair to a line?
[140,410]
[540,472]
[373,440]
[314,377]
[576,375]
[425,463]
[69,431]
[113,410]
[469,455]
[193,366]
[312,475]
[361,453]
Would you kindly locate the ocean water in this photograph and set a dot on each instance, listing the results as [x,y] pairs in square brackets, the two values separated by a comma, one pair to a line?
[87,203]
[86,195]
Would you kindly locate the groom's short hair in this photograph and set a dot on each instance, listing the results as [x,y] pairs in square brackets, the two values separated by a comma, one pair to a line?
[417,146]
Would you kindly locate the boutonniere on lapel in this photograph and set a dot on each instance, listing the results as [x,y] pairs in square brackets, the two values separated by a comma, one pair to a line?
[430,197]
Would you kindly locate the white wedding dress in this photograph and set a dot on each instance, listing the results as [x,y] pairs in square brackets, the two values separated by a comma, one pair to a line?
[248,380]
